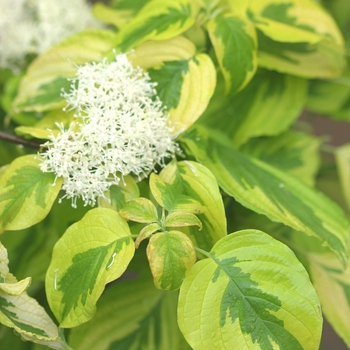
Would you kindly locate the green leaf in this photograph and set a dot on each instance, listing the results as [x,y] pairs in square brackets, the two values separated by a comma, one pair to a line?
[342,157]
[197,182]
[330,97]
[47,126]
[118,195]
[177,87]
[293,152]
[146,232]
[139,210]
[146,317]
[23,313]
[108,15]
[171,255]
[40,89]
[268,105]
[91,253]
[26,193]
[182,218]
[251,292]
[171,196]
[269,191]
[332,284]
[157,20]
[297,37]
[235,43]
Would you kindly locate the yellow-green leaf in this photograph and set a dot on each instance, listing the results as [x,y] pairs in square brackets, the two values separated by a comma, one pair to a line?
[91,253]
[298,37]
[146,232]
[181,219]
[40,88]
[26,193]
[343,165]
[272,192]
[139,210]
[171,255]
[250,293]
[235,43]
[196,181]
[157,20]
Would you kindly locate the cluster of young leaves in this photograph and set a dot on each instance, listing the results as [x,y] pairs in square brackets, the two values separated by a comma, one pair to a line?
[197,264]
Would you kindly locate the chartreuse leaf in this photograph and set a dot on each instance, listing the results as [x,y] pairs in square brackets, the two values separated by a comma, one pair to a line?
[40,89]
[177,87]
[146,317]
[171,255]
[269,191]
[172,197]
[197,182]
[250,293]
[157,20]
[267,106]
[332,284]
[182,218]
[139,210]
[108,15]
[235,43]
[153,54]
[146,232]
[47,126]
[91,253]
[298,37]
[23,313]
[26,193]
[117,196]
[342,157]
[293,152]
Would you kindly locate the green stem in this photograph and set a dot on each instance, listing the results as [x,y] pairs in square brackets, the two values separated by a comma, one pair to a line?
[205,253]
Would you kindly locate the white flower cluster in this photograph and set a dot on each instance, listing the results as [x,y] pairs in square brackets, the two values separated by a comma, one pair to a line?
[120,128]
[32,26]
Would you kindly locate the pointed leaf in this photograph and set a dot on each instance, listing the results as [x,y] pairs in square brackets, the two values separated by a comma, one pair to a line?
[139,210]
[298,37]
[91,253]
[250,293]
[26,193]
[177,88]
[119,195]
[332,284]
[343,165]
[24,314]
[198,182]
[269,191]
[146,232]
[267,106]
[157,20]
[172,197]
[182,218]
[146,317]
[40,89]
[171,255]
[293,152]
[235,43]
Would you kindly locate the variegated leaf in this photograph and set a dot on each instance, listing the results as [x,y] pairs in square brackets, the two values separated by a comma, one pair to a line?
[171,256]
[269,191]
[40,88]
[298,37]
[91,253]
[197,182]
[157,20]
[343,165]
[139,210]
[250,293]
[26,193]
[235,43]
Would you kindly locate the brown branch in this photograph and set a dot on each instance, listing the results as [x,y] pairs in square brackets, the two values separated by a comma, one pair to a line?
[19,140]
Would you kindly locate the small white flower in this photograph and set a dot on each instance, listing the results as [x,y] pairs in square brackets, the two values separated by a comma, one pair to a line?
[120,129]
[32,26]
